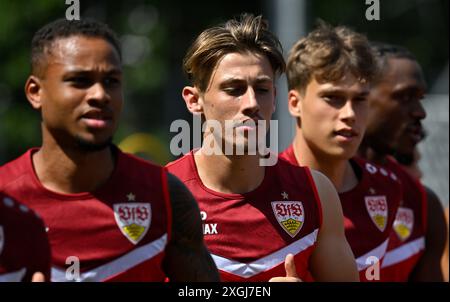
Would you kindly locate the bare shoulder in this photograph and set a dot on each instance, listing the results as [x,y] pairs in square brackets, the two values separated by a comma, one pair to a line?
[186,258]
[436,224]
[434,204]
[329,198]
[429,266]
[185,211]
[331,241]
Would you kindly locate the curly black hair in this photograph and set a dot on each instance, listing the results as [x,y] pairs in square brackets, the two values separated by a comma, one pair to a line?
[44,38]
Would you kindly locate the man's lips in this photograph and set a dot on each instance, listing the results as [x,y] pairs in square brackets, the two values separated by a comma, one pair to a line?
[415,132]
[347,133]
[98,115]
[97,118]
[246,124]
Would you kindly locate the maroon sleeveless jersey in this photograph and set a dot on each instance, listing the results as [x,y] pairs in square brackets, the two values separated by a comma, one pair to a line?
[116,233]
[369,211]
[249,235]
[24,247]
[407,241]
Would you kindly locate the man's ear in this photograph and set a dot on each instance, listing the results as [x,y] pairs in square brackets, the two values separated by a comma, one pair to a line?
[294,102]
[192,98]
[33,91]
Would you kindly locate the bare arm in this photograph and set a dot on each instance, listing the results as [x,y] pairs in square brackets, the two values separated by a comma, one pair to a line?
[429,266]
[187,258]
[444,261]
[332,260]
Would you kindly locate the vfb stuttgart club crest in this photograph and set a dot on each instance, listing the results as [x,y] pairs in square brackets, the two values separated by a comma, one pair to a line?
[290,215]
[404,222]
[133,219]
[378,210]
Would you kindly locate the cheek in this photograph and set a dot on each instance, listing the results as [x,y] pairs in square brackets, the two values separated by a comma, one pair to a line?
[118,102]
[317,120]
[363,114]
[219,111]
[60,104]
[267,108]
[318,113]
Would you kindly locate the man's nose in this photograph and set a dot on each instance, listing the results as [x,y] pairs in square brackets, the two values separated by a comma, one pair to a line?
[98,94]
[249,101]
[418,111]
[348,112]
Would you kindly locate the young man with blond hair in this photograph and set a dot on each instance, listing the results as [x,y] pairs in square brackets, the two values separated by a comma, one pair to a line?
[256,216]
[329,74]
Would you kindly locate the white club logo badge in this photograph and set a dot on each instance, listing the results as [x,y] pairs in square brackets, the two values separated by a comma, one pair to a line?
[378,210]
[133,219]
[404,222]
[290,215]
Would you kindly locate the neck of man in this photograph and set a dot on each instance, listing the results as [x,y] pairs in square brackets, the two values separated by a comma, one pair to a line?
[230,174]
[72,170]
[338,170]
[369,153]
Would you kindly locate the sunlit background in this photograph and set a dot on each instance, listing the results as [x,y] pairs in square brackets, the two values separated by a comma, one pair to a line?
[155,35]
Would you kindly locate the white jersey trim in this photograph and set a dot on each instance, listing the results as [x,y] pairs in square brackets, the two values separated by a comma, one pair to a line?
[404,252]
[116,266]
[16,276]
[379,252]
[247,270]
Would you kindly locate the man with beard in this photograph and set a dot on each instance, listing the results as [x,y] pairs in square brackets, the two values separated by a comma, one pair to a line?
[394,128]
[110,216]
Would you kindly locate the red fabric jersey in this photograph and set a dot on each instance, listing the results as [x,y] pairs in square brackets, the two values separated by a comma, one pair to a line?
[116,233]
[24,247]
[369,210]
[249,235]
[407,241]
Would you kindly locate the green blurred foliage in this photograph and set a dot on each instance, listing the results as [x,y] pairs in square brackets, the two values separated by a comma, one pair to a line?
[157,35]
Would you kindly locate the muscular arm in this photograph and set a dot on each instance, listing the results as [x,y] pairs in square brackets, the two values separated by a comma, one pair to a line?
[332,260]
[429,266]
[187,258]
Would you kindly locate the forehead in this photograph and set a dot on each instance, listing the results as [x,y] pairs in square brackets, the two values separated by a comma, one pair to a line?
[83,52]
[244,66]
[403,72]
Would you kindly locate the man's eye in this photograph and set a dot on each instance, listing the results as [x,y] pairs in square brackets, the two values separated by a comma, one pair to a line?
[360,99]
[79,80]
[330,98]
[234,91]
[111,81]
[262,90]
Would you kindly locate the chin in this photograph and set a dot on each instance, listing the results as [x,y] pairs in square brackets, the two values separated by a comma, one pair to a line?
[344,154]
[93,145]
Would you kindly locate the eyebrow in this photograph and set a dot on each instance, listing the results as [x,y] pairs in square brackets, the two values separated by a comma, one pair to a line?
[410,87]
[81,71]
[343,91]
[237,80]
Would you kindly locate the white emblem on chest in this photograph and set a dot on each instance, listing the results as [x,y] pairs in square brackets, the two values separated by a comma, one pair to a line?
[404,222]
[134,219]
[378,210]
[290,215]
